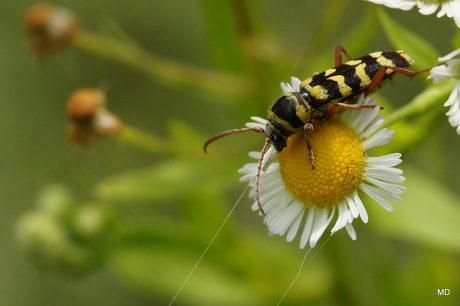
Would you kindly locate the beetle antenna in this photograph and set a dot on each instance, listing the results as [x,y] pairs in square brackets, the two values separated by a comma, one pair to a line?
[259,169]
[229,132]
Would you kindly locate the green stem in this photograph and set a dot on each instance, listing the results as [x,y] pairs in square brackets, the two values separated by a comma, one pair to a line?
[162,70]
[143,140]
[325,29]
[430,99]
[248,42]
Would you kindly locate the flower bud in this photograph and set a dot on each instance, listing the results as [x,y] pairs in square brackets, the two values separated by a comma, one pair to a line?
[51,28]
[89,116]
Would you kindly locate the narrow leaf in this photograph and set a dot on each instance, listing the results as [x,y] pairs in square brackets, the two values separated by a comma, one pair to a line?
[429,215]
[423,53]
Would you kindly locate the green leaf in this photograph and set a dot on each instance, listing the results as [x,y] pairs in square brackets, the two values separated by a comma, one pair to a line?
[186,139]
[360,36]
[429,215]
[356,41]
[456,40]
[161,271]
[249,270]
[423,53]
[430,100]
[222,37]
[168,180]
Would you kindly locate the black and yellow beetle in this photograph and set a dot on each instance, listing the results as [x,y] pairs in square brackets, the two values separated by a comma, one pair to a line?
[321,95]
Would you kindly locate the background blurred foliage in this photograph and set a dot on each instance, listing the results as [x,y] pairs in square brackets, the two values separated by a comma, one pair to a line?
[136,222]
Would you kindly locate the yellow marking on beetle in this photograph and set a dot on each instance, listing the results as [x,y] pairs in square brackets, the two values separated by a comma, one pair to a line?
[344,89]
[386,62]
[407,58]
[361,73]
[285,124]
[353,62]
[329,71]
[376,54]
[318,92]
[303,112]
[306,83]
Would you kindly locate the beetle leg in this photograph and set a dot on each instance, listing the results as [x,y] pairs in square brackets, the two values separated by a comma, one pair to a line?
[309,128]
[339,49]
[259,169]
[382,72]
[335,107]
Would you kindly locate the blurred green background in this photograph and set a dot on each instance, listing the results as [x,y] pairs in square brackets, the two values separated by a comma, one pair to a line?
[390,263]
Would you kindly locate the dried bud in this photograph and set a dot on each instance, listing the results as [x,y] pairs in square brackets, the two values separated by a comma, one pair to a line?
[87,111]
[51,28]
[84,103]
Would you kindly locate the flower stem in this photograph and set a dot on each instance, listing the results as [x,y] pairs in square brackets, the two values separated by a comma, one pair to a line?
[162,70]
[429,100]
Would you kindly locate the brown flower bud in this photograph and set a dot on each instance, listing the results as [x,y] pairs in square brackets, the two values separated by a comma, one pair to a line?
[51,28]
[89,116]
[84,103]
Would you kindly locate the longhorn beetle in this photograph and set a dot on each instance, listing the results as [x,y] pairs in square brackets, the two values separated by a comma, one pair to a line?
[323,94]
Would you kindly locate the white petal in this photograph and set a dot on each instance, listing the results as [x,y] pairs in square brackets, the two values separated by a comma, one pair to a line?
[384,161]
[455,9]
[296,82]
[286,218]
[286,88]
[274,203]
[374,125]
[342,218]
[385,175]
[449,56]
[380,138]
[425,8]
[293,87]
[308,227]
[352,205]
[454,103]
[454,96]
[453,109]
[353,117]
[259,120]
[400,4]
[351,231]
[384,193]
[295,226]
[454,115]
[394,188]
[451,9]
[367,120]
[375,197]
[362,210]
[320,225]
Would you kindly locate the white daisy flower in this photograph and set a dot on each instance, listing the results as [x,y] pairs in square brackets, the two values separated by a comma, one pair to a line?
[451,8]
[297,199]
[452,70]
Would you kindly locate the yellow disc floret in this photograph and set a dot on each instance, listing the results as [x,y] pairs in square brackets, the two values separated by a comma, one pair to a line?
[339,164]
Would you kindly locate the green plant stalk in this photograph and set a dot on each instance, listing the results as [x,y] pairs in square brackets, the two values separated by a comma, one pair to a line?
[324,31]
[143,140]
[162,70]
[328,24]
[430,99]
[247,39]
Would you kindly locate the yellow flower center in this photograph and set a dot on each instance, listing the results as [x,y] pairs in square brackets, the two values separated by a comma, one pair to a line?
[339,164]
